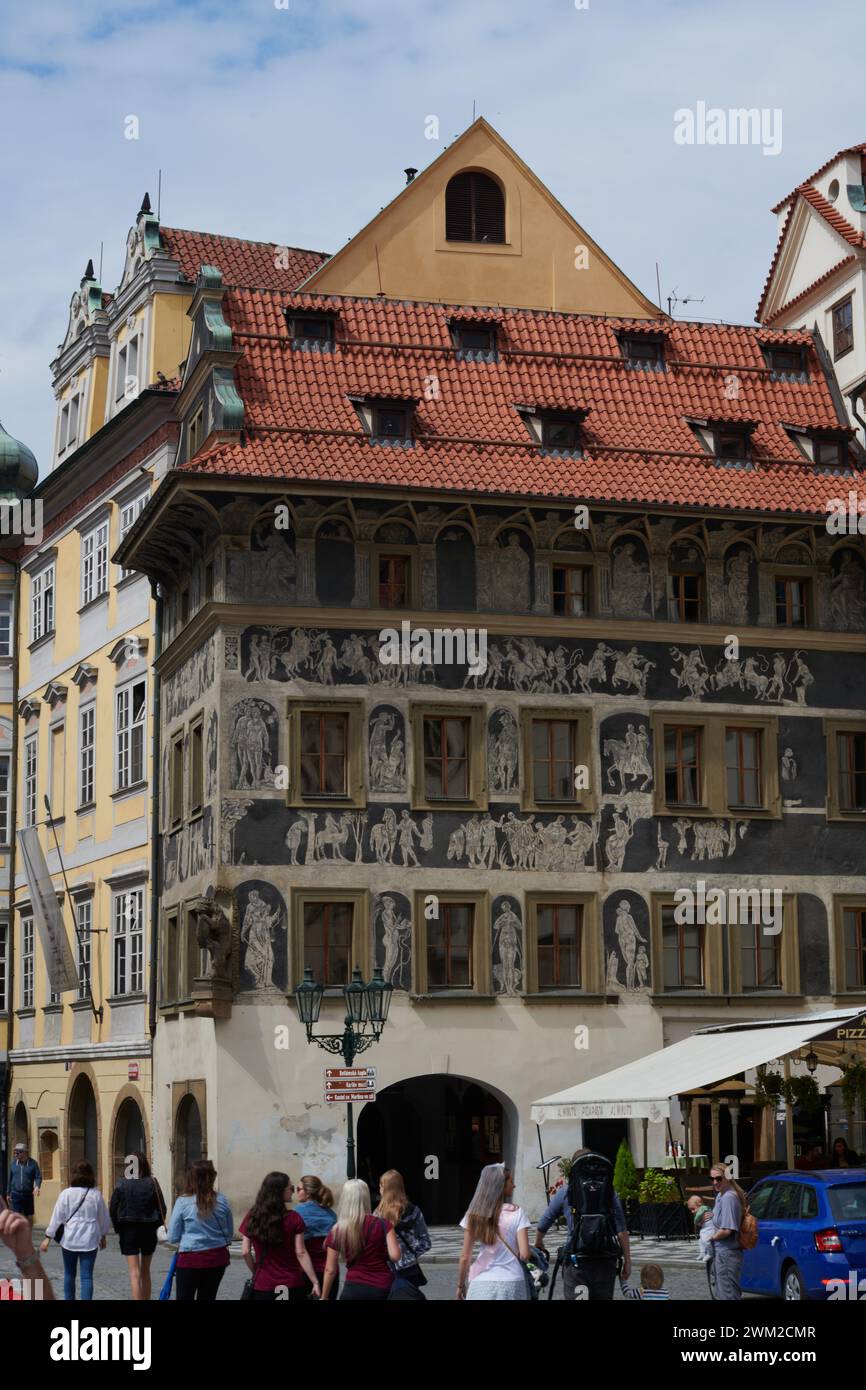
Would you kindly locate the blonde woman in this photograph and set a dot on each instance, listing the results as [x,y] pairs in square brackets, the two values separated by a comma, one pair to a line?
[410,1228]
[365,1243]
[501,1227]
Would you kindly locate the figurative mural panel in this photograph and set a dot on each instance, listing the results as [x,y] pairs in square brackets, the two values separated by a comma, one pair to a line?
[626,750]
[626,943]
[263,936]
[189,682]
[387,750]
[189,850]
[507,946]
[212,754]
[253,745]
[392,931]
[503,745]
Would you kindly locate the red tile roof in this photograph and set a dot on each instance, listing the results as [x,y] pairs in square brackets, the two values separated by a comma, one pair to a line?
[469,436]
[832,217]
[253,264]
[804,294]
[852,149]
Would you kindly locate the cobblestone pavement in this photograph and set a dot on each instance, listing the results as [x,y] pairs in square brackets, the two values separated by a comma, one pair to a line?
[684,1278]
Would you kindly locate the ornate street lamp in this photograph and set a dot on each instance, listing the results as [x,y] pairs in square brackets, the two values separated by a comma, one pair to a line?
[366,1007]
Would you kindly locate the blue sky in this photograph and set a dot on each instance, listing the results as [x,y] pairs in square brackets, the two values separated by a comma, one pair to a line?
[294,125]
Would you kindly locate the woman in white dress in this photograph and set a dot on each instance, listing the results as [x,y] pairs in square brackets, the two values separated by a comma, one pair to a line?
[501,1227]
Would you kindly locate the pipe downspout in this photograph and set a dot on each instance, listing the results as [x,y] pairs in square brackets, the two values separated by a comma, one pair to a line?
[155,878]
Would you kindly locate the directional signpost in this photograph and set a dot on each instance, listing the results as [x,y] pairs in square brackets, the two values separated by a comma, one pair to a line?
[344,1084]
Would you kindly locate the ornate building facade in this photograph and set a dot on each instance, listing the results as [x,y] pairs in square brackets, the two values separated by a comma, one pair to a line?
[486,632]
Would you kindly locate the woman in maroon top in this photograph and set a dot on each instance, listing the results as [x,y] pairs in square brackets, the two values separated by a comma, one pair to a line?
[273,1245]
[365,1243]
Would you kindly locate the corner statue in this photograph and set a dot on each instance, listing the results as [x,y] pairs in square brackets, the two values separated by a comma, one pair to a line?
[213,933]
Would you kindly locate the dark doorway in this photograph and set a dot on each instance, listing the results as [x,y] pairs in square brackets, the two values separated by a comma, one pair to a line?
[128,1135]
[605,1136]
[749,1116]
[187,1139]
[439,1132]
[83,1140]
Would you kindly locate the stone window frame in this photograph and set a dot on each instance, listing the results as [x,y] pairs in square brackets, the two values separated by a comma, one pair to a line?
[169,982]
[582,802]
[176,782]
[831,728]
[356,791]
[714,797]
[360,954]
[841,901]
[789,940]
[410,550]
[482,947]
[574,560]
[195,810]
[591,948]
[476,713]
[806,574]
[713,955]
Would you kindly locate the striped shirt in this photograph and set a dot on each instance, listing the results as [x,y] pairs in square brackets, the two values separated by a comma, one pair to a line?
[646,1295]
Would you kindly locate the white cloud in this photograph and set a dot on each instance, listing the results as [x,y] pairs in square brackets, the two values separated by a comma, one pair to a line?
[296,125]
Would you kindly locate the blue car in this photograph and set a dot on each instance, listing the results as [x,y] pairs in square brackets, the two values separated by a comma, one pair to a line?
[811,1235]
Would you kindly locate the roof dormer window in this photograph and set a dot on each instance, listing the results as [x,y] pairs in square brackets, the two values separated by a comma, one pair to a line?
[312,332]
[732,445]
[392,424]
[644,351]
[828,452]
[475,341]
[786,362]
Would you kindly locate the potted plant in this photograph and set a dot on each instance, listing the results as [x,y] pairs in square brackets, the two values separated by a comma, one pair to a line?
[662,1213]
[627,1186]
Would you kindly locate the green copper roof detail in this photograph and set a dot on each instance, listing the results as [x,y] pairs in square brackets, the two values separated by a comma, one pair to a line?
[209,278]
[230,404]
[857,196]
[18,467]
[219,330]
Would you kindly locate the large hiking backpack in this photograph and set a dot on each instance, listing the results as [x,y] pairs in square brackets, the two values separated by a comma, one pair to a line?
[590,1200]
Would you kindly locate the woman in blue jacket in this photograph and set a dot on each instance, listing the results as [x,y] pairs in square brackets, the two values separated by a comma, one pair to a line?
[201,1226]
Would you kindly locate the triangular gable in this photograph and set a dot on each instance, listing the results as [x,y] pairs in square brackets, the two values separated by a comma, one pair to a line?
[808,248]
[547,262]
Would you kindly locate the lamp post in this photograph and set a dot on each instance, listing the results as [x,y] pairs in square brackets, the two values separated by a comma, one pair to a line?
[366,1007]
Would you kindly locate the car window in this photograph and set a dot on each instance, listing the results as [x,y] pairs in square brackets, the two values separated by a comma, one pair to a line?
[808,1203]
[786,1202]
[759,1198]
[848,1201]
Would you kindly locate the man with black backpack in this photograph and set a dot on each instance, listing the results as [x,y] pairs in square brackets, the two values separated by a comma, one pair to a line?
[597,1245]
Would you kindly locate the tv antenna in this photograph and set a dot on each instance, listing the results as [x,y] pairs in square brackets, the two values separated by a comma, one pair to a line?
[674,300]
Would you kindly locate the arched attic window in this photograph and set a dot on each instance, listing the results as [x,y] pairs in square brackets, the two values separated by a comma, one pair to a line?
[474,208]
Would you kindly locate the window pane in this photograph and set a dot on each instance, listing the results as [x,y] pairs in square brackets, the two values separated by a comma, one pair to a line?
[328,942]
[449,947]
[851,754]
[558,945]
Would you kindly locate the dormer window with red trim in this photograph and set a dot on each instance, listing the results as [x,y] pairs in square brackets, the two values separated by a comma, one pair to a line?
[312,332]
[643,351]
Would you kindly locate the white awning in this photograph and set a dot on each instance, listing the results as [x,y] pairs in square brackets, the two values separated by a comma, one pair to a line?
[642,1089]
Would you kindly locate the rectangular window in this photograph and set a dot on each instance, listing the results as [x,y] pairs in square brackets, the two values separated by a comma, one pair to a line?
[683,777]
[851,763]
[195,432]
[87,754]
[561,433]
[394,581]
[686,597]
[51,995]
[682,952]
[5,625]
[792,602]
[27,962]
[127,386]
[5,764]
[131,714]
[208,582]
[328,941]
[64,429]
[558,930]
[175,775]
[169,957]
[446,758]
[72,435]
[732,446]
[128,933]
[196,767]
[854,946]
[554,758]
[570,588]
[84,925]
[643,352]
[42,604]
[392,423]
[743,768]
[324,754]
[760,958]
[57,770]
[4,967]
[94,564]
[829,453]
[843,328]
[450,947]
[129,514]
[31,758]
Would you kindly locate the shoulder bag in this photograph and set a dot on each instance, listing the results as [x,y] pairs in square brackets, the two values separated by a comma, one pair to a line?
[58,1234]
[533,1286]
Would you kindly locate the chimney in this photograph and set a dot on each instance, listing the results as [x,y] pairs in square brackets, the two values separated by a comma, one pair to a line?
[410,174]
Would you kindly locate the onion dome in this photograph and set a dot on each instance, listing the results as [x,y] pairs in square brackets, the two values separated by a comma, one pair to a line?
[18,468]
